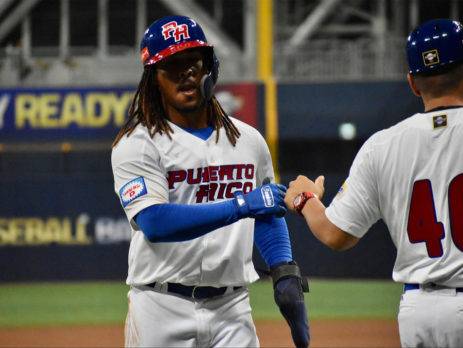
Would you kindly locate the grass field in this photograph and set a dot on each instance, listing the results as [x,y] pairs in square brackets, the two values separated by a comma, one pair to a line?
[51,304]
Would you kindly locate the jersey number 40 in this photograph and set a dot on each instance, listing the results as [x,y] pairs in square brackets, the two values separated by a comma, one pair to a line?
[422,222]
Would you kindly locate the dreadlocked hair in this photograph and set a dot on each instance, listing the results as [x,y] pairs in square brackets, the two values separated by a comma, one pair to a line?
[146,109]
[219,118]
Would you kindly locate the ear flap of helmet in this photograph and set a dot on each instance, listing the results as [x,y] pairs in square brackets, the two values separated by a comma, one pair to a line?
[209,80]
[215,68]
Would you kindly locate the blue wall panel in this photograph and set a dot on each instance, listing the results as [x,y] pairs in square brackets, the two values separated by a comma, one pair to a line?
[316,110]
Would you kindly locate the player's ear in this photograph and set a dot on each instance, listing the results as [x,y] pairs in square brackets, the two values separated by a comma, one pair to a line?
[413,86]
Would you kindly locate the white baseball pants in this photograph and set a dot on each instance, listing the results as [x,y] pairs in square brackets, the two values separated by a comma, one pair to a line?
[157,319]
[431,318]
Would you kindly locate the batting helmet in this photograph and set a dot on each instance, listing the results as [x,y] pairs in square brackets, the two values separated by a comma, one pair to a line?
[173,34]
[434,46]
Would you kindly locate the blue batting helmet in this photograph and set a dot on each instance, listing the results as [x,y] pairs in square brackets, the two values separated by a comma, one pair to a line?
[173,34]
[434,45]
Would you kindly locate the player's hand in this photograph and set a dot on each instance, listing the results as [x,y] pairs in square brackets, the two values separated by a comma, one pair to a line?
[263,201]
[304,184]
[289,297]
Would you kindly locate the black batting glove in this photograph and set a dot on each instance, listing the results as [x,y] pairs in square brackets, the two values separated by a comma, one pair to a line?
[288,288]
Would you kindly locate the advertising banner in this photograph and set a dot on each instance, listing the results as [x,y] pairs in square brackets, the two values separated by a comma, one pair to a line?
[55,114]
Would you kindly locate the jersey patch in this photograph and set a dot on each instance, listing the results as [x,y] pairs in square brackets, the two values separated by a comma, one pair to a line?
[132,190]
[439,121]
[342,190]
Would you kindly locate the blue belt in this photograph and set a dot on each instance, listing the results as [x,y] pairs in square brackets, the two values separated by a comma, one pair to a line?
[431,285]
[195,292]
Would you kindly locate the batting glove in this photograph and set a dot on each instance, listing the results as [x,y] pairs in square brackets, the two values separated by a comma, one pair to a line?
[262,201]
[288,286]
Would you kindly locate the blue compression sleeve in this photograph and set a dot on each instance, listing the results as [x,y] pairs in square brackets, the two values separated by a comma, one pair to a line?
[181,222]
[271,237]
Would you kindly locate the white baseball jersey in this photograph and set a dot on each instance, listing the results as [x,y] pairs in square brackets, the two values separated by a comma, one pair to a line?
[190,170]
[411,176]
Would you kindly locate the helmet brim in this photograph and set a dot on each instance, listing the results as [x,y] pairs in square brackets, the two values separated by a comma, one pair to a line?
[172,49]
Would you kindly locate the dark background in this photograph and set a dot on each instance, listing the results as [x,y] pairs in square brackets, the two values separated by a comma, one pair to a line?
[67,184]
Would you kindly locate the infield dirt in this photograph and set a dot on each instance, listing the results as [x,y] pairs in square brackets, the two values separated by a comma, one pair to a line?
[325,333]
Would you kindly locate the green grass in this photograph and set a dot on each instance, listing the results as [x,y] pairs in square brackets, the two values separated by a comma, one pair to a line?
[62,303]
[335,299]
[105,302]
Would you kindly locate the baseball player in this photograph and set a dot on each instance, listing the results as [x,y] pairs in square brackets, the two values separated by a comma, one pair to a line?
[411,176]
[196,187]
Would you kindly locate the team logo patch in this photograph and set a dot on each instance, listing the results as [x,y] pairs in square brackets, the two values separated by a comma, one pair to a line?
[173,29]
[267,195]
[132,190]
[439,121]
[430,57]
[342,190]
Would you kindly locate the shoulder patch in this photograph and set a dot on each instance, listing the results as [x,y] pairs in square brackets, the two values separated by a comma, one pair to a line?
[132,190]
[439,121]
[342,190]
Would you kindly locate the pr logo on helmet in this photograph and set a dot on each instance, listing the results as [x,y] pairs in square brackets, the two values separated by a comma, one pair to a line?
[173,29]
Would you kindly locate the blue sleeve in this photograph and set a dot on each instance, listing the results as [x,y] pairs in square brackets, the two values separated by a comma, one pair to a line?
[271,237]
[181,222]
